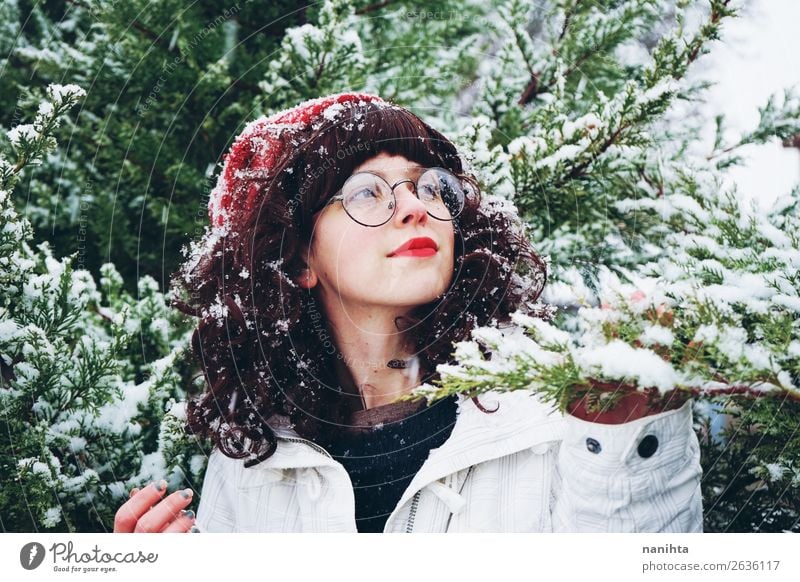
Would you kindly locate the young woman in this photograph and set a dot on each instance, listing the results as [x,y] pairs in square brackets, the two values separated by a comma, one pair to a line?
[350,250]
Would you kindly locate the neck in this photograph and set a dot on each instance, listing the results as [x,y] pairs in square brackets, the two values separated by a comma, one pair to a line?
[367,340]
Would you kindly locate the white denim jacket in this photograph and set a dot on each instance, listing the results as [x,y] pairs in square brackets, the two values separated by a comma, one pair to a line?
[524,468]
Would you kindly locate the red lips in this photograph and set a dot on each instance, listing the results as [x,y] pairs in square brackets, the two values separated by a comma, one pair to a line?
[415,243]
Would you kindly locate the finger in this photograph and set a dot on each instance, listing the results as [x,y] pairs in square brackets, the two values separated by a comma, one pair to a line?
[182,524]
[164,512]
[128,514]
[134,491]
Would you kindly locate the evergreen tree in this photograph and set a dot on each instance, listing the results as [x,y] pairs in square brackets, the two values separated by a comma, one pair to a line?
[84,405]
[168,84]
[573,114]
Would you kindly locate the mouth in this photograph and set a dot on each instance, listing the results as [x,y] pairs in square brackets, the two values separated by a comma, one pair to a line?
[416,247]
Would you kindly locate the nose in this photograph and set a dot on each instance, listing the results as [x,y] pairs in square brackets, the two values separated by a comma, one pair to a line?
[409,207]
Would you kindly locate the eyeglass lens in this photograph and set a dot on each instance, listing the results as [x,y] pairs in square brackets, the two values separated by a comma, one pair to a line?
[367,197]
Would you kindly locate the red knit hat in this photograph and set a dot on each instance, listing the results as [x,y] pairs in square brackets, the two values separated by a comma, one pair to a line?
[246,167]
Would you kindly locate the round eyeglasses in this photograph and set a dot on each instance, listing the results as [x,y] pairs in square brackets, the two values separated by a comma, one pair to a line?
[370,201]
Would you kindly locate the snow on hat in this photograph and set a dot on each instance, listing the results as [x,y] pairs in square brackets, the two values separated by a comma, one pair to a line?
[246,167]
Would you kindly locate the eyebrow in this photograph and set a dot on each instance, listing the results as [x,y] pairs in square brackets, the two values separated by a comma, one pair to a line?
[418,169]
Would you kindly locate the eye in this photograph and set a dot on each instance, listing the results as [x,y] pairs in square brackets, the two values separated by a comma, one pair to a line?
[363,194]
[427,191]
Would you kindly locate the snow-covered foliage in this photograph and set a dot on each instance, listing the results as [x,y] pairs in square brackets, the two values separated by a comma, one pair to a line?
[316,58]
[719,313]
[89,373]
[661,279]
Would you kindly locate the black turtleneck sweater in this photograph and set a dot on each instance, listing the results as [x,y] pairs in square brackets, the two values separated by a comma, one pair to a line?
[384,456]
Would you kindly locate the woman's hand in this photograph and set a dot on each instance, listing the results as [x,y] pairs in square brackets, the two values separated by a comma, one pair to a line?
[631,406]
[147,512]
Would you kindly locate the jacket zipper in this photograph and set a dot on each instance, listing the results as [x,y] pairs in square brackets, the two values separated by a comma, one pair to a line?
[412,513]
[460,490]
[414,502]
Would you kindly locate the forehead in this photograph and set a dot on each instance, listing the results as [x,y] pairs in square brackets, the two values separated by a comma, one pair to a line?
[386,162]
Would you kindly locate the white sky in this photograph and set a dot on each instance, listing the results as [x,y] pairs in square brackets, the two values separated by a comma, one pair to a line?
[758,55]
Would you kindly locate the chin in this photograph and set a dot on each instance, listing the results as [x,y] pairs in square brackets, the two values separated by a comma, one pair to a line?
[417,300]
[406,287]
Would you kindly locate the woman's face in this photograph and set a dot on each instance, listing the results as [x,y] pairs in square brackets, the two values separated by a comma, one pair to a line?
[351,263]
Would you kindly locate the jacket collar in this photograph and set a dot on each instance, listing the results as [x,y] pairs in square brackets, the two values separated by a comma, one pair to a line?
[521,421]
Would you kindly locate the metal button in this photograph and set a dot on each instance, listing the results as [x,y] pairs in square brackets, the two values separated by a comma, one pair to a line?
[648,446]
[593,446]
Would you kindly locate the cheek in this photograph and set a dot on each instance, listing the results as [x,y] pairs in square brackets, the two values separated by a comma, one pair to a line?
[447,239]
[450,237]
[345,251]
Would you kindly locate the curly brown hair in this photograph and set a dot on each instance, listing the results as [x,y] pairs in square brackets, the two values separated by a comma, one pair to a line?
[262,344]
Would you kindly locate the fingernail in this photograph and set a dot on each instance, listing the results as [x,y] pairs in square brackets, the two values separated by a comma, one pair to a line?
[161,485]
[186,493]
[134,491]
[187,513]
[194,529]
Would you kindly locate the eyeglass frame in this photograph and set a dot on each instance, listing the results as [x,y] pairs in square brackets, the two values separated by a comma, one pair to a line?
[340,196]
